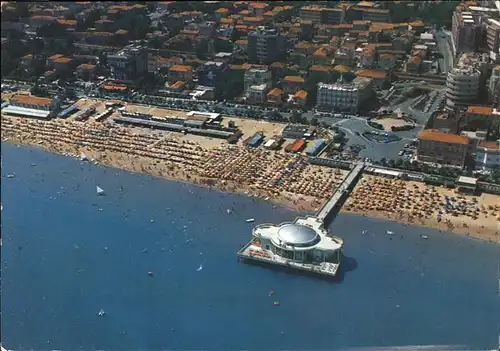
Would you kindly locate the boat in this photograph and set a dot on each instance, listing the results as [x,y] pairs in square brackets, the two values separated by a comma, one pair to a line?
[228,211]
[276,303]
[250,220]
[11,175]
[388,232]
[83,157]
[199,268]
[101,313]
[99,190]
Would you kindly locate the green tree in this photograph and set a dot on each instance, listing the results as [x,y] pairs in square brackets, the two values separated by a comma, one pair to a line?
[295,117]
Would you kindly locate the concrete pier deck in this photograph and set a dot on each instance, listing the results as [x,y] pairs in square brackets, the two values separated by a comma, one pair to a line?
[330,206]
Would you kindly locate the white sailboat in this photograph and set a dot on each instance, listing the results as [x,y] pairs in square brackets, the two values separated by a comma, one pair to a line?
[101,313]
[99,190]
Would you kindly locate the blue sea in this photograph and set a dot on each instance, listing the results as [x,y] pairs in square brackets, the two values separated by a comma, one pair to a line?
[68,253]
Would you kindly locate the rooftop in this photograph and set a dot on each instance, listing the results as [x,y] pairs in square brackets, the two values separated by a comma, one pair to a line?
[480,110]
[295,79]
[436,135]
[181,68]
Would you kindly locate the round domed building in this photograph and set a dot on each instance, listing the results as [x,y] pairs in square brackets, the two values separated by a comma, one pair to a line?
[304,244]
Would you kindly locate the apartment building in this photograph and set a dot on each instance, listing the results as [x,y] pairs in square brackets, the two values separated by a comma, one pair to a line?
[258,76]
[463,81]
[494,80]
[464,32]
[488,154]
[181,73]
[256,94]
[370,14]
[322,15]
[265,45]
[129,64]
[493,39]
[446,149]
[213,74]
[344,96]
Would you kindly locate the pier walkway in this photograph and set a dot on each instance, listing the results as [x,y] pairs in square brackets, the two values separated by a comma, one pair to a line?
[344,188]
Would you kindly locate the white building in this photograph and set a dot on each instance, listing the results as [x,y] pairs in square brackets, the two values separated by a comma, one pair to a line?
[257,76]
[463,81]
[488,154]
[257,94]
[494,80]
[344,96]
[302,245]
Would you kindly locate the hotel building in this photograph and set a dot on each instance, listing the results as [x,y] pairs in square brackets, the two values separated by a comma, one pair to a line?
[437,147]
[344,97]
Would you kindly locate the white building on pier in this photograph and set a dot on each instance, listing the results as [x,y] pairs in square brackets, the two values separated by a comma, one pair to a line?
[304,245]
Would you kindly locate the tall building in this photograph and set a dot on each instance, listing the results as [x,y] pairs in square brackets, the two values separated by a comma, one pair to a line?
[464,81]
[464,32]
[493,39]
[265,45]
[344,97]
[494,81]
[129,64]
[213,74]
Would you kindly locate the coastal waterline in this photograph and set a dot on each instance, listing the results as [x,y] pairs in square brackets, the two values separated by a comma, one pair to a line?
[67,253]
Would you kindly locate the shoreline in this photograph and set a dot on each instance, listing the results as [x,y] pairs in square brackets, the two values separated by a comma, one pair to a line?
[298,201]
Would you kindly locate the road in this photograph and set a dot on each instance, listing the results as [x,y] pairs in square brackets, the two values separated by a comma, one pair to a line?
[443,40]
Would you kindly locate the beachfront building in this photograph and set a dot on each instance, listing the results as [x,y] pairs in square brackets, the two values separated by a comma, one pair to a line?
[488,154]
[464,81]
[303,245]
[442,148]
[31,106]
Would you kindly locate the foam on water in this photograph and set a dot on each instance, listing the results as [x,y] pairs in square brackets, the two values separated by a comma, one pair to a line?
[63,260]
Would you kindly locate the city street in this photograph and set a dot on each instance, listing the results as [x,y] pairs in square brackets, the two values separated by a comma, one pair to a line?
[443,40]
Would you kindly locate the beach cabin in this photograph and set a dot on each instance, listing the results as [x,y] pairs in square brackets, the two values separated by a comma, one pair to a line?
[466,185]
[315,148]
[256,140]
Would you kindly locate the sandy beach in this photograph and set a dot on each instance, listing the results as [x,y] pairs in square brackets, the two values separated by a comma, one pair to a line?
[419,204]
[275,176]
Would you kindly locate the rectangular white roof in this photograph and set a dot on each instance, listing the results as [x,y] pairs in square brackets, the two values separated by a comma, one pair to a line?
[23,111]
[467,180]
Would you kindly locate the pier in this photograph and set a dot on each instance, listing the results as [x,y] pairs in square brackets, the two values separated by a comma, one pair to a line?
[331,207]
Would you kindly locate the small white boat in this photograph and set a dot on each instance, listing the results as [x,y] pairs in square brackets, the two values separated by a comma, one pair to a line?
[11,175]
[101,313]
[228,211]
[83,157]
[199,268]
[424,237]
[250,220]
[388,232]
[99,190]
